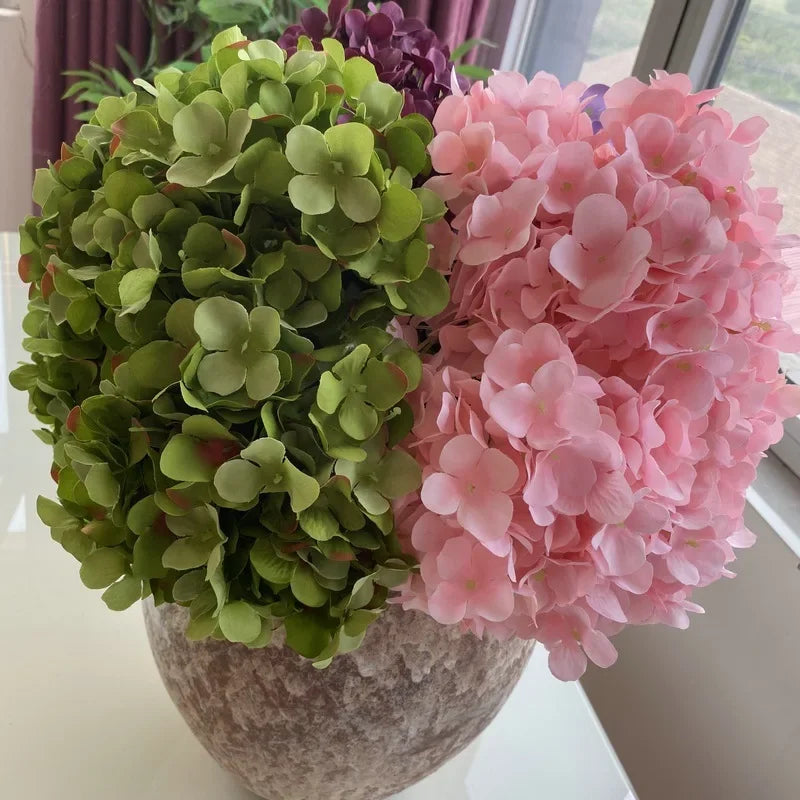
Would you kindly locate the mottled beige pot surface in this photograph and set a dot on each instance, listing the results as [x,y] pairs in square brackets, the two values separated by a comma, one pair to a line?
[373,723]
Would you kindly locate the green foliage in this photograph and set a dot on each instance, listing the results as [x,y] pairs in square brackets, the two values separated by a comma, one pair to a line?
[472,71]
[204,19]
[758,62]
[211,280]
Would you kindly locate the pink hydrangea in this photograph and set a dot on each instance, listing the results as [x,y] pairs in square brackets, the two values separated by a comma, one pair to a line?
[605,380]
[473,486]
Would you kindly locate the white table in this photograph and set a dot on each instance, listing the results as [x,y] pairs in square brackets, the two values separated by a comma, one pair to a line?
[83,714]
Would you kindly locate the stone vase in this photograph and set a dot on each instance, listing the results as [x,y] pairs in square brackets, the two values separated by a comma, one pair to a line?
[373,723]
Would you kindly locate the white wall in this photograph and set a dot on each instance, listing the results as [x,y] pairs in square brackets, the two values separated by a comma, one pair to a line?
[713,713]
[16,112]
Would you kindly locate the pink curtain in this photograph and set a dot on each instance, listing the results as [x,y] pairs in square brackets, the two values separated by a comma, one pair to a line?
[69,35]
[455,21]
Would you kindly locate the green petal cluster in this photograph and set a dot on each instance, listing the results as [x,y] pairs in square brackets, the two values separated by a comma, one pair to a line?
[217,261]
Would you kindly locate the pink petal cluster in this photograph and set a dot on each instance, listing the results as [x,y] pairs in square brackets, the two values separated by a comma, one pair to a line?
[605,379]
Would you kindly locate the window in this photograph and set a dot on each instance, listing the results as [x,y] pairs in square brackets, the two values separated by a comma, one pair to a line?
[595,41]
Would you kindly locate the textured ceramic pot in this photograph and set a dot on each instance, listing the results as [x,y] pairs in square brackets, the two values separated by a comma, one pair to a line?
[373,723]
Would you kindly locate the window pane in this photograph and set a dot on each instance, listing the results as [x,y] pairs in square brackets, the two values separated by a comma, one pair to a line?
[594,40]
[617,33]
[763,77]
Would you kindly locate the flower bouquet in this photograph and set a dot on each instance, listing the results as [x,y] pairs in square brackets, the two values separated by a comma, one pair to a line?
[320,330]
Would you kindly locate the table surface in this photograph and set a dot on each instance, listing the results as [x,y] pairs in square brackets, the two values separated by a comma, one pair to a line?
[84,716]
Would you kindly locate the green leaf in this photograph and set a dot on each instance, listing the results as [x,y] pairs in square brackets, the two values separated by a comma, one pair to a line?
[362,592]
[408,361]
[358,420]
[123,594]
[239,622]
[187,554]
[199,521]
[406,149]
[306,589]
[357,72]
[306,634]
[124,186]
[303,489]
[167,104]
[274,99]
[371,500]
[233,84]
[391,577]
[44,184]
[359,620]
[189,586]
[474,71]
[143,515]
[157,364]
[222,373]
[105,533]
[201,627]
[265,323]
[426,296]
[148,552]
[398,474]
[350,146]
[304,66]
[181,460]
[335,49]
[102,486]
[433,206]
[239,481]
[383,104]
[267,453]
[53,514]
[319,523]
[78,172]
[148,210]
[24,378]
[263,376]
[400,214]
[307,150]
[400,424]
[135,289]
[312,194]
[266,50]
[179,322]
[110,109]
[102,567]
[74,541]
[226,38]
[386,384]
[205,427]
[83,314]
[221,323]
[329,569]
[358,198]
[470,44]
[308,314]
[270,566]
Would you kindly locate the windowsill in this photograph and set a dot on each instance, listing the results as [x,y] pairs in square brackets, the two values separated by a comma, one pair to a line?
[775,497]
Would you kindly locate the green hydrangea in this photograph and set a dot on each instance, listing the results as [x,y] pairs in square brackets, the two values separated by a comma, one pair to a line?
[211,280]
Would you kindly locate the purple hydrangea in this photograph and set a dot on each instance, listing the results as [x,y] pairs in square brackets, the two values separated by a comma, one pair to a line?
[596,95]
[406,53]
